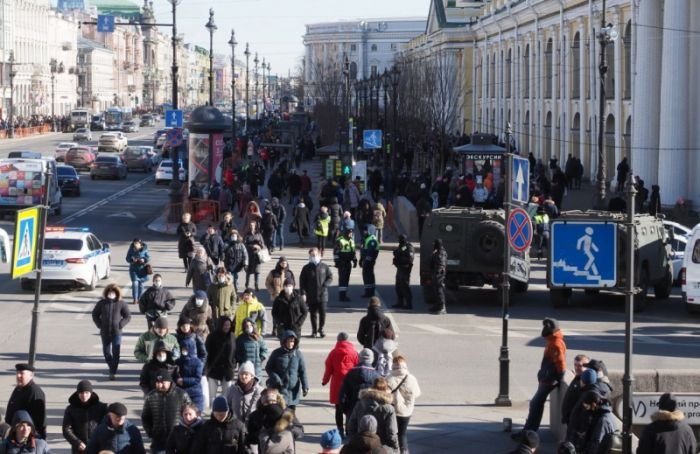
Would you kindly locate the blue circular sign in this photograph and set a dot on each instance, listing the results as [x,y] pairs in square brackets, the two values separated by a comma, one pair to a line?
[519,229]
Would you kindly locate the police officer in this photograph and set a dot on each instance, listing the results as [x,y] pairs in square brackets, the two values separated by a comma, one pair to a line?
[368,257]
[345,260]
[403,261]
[438,269]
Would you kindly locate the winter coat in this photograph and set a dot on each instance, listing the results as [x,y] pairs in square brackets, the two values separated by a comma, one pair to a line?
[182,437]
[33,446]
[236,256]
[138,260]
[256,422]
[251,347]
[193,342]
[30,398]
[154,368]
[378,404]
[161,411]
[243,404]
[336,213]
[190,369]
[269,223]
[301,219]
[378,215]
[143,351]
[314,281]
[383,355]
[220,437]
[571,397]
[363,443]
[201,316]
[553,360]
[286,370]
[357,379]
[372,326]
[275,280]
[225,230]
[339,362]
[110,316]
[580,418]
[80,420]
[222,298]
[156,302]
[289,312]
[277,439]
[253,310]
[198,274]
[221,349]
[213,245]
[668,433]
[123,440]
[254,243]
[602,424]
[346,225]
[404,398]
[184,243]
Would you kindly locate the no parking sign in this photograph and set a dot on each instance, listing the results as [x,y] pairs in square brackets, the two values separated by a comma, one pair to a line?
[519,229]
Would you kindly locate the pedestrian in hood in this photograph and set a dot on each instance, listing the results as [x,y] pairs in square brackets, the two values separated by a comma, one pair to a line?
[222,294]
[116,434]
[602,423]
[668,432]
[373,324]
[110,315]
[384,349]
[186,233]
[338,363]
[253,309]
[161,363]
[252,215]
[137,257]
[222,433]
[221,349]
[276,436]
[82,416]
[27,396]
[404,391]
[188,373]
[161,411]
[376,401]
[358,378]
[251,346]
[366,439]
[182,437]
[156,301]
[245,392]
[199,311]
[277,276]
[286,370]
[549,375]
[143,351]
[188,338]
[236,256]
[23,437]
[256,420]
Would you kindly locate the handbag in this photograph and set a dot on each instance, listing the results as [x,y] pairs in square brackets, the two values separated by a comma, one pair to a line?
[264,255]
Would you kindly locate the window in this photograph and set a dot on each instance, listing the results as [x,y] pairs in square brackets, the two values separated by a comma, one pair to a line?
[696,252]
[353,47]
[373,48]
[394,46]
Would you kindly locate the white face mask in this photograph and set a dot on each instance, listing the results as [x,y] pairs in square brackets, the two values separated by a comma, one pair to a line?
[184,352]
[315,260]
[248,329]
[234,237]
[222,280]
[111,295]
[288,290]
[157,284]
[161,357]
[198,302]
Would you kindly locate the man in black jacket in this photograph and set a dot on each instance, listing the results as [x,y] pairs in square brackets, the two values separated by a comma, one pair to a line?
[289,309]
[373,324]
[213,245]
[314,280]
[161,411]
[575,389]
[222,433]
[403,261]
[27,396]
[156,301]
[438,270]
[668,432]
[82,416]
[110,315]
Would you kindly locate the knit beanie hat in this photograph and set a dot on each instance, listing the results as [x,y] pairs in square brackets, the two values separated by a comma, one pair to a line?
[247,367]
[366,357]
[219,404]
[368,423]
[331,439]
[84,386]
[668,402]
[589,376]
[343,336]
[161,323]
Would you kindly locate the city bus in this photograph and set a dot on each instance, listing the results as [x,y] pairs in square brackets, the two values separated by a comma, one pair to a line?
[80,118]
[116,116]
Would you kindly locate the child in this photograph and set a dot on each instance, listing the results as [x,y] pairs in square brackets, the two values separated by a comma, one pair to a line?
[331,442]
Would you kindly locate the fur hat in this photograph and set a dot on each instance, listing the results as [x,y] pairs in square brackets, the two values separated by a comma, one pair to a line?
[668,402]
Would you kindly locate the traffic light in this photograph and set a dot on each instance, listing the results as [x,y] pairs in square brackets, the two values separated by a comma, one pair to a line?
[347,166]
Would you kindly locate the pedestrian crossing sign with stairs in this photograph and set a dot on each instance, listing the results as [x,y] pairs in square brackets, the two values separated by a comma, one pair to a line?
[24,250]
[583,254]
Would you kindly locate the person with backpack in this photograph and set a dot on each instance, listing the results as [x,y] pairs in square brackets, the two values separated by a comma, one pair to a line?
[359,377]
[373,324]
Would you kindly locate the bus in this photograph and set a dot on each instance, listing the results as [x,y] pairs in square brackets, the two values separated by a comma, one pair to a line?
[80,118]
[23,184]
[116,116]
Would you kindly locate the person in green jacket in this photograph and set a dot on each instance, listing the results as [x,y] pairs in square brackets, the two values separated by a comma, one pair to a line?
[222,295]
[146,341]
[253,309]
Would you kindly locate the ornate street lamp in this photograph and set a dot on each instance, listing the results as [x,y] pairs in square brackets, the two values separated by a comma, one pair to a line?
[256,61]
[264,67]
[174,68]
[247,86]
[232,42]
[55,67]
[13,74]
[211,26]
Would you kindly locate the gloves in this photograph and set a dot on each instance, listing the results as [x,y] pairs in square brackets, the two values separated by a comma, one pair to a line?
[305,392]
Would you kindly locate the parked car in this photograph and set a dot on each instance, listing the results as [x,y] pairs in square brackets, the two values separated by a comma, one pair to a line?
[112,141]
[157,137]
[82,134]
[130,126]
[62,148]
[108,166]
[139,158]
[164,173]
[25,154]
[68,180]
[147,120]
[679,239]
[81,158]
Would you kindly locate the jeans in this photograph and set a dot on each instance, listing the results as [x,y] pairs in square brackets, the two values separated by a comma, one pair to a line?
[136,285]
[111,349]
[402,427]
[256,279]
[534,416]
[278,238]
[214,386]
[235,280]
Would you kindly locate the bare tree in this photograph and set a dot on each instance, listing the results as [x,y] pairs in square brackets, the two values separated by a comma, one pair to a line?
[326,87]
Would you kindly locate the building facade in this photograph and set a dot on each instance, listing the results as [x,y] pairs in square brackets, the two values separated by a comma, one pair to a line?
[95,69]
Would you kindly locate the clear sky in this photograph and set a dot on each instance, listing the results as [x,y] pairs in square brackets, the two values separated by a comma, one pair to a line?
[274,28]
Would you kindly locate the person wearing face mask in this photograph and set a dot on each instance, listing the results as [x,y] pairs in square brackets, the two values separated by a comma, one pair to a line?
[236,256]
[274,282]
[253,309]
[137,257]
[156,301]
[186,233]
[256,420]
[251,347]
[222,294]
[254,244]
[161,363]
[198,272]
[314,280]
[161,411]
[145,344]
[188,373]
[213,245]
[289,311]
[220,367]
[110,315]
[199,311]
[83,414]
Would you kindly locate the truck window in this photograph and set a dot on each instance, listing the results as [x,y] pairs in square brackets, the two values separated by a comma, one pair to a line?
[696,252]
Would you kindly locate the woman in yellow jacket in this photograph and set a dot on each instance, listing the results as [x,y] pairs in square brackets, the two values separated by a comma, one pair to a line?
[321,227]
[250,308]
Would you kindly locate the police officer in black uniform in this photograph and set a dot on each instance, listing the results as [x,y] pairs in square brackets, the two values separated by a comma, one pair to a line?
[345,260]
[368,258]
[438,269]
[403,261]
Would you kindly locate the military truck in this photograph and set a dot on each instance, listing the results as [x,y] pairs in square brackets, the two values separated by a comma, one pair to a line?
[474,239]
[652,267]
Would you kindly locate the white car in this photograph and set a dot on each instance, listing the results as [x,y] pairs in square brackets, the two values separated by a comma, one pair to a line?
[679,234]
[164,173]
[72,257]
[62,148]
[112,141]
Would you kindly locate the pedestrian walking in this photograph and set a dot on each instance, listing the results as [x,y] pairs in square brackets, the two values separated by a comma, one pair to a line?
[338,363]
[301,221]
[138,258]
[29,397]
[199,311]
[345,260]
[403,261]
[222,295]
[116,434]
[243,395]
[156,301]
[186,233]
[250,308]
[668,432]
[366,439]
[376,401]
[110,315]
[146,342]
[347,224]
[162,363]
[254,246]
[322,223]
[289,310]
[181,439]
[275,437]
[373,325]
[236,256]
[378,217]
[222,433]
[368,259]
[276,278]
[188,373]
[384,349]
[281,213]
[314,280]
[83,414]
[268,228]
[331,442]
[404,390]
[199,271]
[251,347]
[220,366]
[335,211]
[23,437]
[213,245]
[270,396]
[161,411]
[286,370]
[225,227]
[438,271]
[358,378]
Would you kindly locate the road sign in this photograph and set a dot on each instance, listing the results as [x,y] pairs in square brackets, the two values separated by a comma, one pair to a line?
[173,137]
[519,268]
[645,404]
[173,119]
[583,254]
[105,24]
[371,138]
[519,229]
[24,251]
[520,171]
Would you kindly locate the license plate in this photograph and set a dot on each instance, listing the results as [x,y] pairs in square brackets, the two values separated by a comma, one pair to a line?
[52,262]
[697,285]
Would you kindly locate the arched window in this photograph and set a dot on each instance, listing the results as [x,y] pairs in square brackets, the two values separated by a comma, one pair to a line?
[548,69]
[526,72]
[576,67]
[353,70]
[610,76]
[575,137]
[373,48]
[627,83]
[610,147]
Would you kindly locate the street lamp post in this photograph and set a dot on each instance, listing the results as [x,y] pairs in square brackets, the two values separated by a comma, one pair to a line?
[264,67]
[269,79]
[256,61]
[174,68]
[346,104]
[55,67]
[395,75]
[211,26]
[13,73]
[232,42]
[386,81]
[247,86]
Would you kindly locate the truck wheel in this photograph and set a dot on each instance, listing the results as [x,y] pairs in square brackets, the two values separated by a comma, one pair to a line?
[662,290]
[559,297]
[488,242]
[641,299]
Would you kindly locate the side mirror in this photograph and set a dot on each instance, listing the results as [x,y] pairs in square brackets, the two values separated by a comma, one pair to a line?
[105,246]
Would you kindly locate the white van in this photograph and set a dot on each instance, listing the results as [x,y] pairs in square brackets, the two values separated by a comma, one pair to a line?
[690,281]
[23,181]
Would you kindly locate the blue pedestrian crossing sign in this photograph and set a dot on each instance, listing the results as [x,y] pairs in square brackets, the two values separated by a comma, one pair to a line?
[24,250]
[583,254]
[173,119]
[520,180]
[105,23]
[371,139]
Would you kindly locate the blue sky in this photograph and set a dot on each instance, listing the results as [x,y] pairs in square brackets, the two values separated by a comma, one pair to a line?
[274,28]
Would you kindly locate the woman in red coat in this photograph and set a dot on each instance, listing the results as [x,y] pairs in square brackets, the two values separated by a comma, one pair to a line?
[340,360]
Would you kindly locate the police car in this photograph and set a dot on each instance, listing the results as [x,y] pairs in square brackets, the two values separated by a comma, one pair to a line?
[72,256]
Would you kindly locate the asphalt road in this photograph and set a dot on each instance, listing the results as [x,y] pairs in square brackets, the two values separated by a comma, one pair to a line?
[454,356]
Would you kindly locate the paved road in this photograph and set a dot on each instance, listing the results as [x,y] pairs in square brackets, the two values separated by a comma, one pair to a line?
[455,357]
